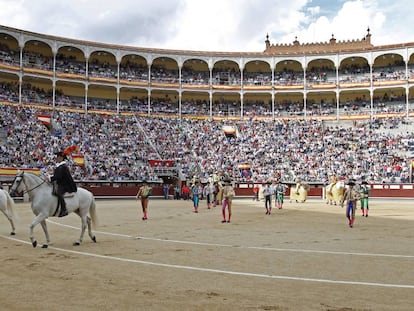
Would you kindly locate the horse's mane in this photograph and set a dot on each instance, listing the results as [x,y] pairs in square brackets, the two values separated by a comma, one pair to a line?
[39,178]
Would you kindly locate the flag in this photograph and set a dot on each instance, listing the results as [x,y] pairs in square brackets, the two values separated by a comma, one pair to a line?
[154,163]
[71,149]
[79,159]
[230,131]
[244,166]
[12,171]
[46,120]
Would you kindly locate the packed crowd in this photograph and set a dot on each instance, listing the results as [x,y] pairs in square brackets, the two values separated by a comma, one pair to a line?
[118,147]
[167,105]
[133,71]
[108,144]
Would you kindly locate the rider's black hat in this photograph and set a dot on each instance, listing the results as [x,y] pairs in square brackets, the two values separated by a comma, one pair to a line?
[60,154]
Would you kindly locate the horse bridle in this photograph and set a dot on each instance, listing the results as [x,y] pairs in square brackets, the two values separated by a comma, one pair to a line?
[20,181]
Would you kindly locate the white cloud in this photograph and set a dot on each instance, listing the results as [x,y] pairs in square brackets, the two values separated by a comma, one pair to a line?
[314,10]
[12,13]
[203,22]
[396,28]
[215,25]
[349,23]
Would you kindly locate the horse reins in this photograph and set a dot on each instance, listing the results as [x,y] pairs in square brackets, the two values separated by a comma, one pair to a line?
[37,186]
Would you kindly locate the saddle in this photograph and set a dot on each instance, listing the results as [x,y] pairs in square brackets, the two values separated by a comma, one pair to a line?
[65,195]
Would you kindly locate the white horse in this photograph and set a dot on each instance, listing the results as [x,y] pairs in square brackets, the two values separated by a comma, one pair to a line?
[44,204]
[7,207]
[299,193]
[335,193]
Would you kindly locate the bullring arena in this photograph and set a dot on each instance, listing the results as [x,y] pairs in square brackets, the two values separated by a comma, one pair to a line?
[302,257]
[140,114]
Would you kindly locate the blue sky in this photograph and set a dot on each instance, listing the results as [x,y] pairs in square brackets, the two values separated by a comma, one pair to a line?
[214,25]
[327,7]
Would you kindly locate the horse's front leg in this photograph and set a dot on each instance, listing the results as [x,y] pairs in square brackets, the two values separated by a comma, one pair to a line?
[38,219]
[84,224]
[44,227]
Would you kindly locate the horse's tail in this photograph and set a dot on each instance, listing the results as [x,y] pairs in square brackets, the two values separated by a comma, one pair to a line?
[92,213]
[10,205]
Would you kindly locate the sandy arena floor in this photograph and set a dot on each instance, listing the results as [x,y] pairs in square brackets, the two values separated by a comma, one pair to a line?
[303,257]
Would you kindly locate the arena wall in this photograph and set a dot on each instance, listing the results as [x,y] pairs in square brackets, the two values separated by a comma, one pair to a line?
[127,189]
[246,190]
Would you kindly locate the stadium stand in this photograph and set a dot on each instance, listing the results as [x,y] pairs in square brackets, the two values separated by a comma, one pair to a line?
[299,110]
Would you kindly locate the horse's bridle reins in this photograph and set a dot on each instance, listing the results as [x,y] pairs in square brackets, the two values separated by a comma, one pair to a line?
[27,190]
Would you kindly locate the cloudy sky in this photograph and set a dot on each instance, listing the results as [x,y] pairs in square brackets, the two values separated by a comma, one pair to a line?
[213,25]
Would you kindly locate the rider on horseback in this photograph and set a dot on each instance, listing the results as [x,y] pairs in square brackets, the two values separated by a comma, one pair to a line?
[62,181]
[298,184]
[332,182]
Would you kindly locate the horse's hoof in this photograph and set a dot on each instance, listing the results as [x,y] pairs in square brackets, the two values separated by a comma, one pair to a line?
[76,243]
[94,239]
[45,246]
[34,243]
[12,233]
